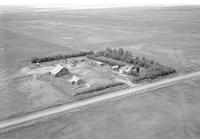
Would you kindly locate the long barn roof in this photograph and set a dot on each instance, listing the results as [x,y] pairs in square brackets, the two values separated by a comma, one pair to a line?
[57,69]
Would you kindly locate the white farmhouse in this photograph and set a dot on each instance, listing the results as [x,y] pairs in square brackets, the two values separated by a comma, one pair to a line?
[76,80]
[126,69]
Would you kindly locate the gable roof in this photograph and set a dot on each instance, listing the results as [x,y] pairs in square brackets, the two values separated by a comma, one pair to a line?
[116,66]
[57,69]
[127,68]
[98,62]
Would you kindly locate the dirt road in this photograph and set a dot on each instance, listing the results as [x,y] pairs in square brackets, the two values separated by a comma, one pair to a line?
[46,114]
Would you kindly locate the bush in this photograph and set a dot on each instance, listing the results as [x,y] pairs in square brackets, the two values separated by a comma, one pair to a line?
[59,57]
[99,88]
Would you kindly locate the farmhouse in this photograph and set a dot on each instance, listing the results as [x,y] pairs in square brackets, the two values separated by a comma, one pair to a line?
[82,59]
[37,64]
[59,70]
[76,80]
[126,69]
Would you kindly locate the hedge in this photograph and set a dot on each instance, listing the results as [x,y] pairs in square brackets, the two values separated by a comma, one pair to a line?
[155,73]
[99,88]
[58,57]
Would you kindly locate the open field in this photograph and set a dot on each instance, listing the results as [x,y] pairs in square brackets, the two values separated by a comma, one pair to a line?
[169,112]
[173,32]
[170,36]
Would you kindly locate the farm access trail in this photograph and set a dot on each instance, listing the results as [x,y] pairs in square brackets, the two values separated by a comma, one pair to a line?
[43,115]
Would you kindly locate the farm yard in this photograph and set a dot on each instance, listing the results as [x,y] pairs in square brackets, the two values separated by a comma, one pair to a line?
[91,75]
[51,90]
[166,36]
[62,79]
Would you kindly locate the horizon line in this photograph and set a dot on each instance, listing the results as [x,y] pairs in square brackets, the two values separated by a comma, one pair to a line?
[98,7]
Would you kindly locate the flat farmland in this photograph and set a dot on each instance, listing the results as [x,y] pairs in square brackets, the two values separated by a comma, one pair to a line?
[170,112]
[172,32]
[170,36]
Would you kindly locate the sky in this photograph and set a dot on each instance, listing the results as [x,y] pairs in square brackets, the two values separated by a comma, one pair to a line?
[99,3]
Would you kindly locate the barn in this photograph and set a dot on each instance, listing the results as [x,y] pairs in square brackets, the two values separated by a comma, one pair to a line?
[59,70]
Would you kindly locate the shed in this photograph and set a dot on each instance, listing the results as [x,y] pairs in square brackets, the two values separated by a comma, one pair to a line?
[99,63]
[59,70]
[76,80]
[115,68]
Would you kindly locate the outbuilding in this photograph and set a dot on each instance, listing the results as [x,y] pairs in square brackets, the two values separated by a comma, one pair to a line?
[59,70]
